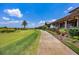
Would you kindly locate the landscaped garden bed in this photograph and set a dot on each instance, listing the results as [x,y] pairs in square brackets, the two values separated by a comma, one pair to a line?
[69,37]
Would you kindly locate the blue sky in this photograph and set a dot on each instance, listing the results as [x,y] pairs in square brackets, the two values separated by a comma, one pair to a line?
[12,14]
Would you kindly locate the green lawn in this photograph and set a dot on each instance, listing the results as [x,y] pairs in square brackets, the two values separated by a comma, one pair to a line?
[19,42]
[72,46]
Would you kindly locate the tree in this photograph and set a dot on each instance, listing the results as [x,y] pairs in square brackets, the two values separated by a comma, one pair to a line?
[47,25]
[5,27]
[24,23]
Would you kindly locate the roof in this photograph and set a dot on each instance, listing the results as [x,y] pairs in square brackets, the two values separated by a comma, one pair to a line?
[74,10]
[67,17]
[61,19]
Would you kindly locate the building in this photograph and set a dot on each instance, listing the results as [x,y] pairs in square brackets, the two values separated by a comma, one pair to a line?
[69,21]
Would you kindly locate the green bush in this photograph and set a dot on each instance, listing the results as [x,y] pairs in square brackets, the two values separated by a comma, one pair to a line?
[62,30]
[7,30]
[74,31]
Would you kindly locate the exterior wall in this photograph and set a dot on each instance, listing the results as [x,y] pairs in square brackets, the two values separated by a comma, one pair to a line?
[69,24]
[57,25]
[62,25]
[72,23]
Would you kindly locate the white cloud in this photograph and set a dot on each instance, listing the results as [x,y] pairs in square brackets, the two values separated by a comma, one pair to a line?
[50,21]
[14,12]
[42,22]
[33,24]
[11,22]
[14,21]
[5,18]
[68,9]
[28,22]
[65,11]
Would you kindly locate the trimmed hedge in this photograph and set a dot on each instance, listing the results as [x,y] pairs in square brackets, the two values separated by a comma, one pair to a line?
[74,31]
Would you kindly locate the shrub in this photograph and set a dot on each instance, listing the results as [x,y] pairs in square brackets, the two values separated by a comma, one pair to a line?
[63,30]
[74,31]
[58,32]
[74,41]
[7,30]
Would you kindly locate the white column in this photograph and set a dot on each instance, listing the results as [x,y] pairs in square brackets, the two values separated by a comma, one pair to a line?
[77,22]
[65,24]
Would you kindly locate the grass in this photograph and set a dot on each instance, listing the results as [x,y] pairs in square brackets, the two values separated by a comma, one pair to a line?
[33,48]
[76,37]
[7,38]
[72,46]
[19,42]
[71,43]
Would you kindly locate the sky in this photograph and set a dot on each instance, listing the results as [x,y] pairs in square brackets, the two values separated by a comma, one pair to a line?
[36,14]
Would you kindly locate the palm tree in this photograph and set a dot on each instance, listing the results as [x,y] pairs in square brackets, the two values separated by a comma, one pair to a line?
[24,23]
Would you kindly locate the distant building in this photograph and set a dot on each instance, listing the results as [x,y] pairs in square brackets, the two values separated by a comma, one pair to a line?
[69,21]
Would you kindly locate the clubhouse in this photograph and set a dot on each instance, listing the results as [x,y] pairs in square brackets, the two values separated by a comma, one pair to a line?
[69,21]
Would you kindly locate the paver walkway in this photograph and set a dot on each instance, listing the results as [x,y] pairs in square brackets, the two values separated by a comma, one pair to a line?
[49,45]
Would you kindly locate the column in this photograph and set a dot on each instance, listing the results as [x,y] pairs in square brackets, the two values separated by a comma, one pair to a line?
[59,25]
[77,22]
[65,24]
